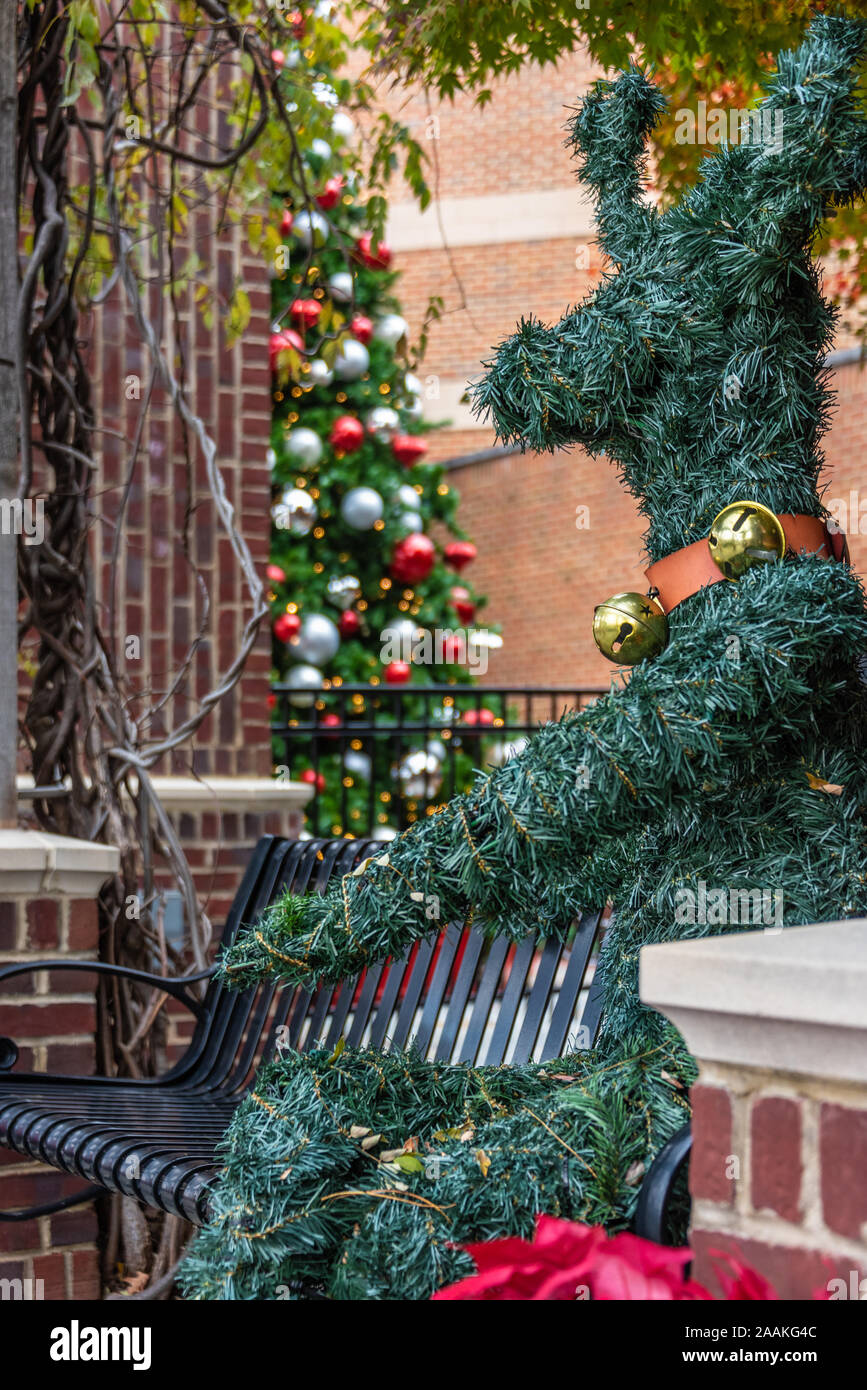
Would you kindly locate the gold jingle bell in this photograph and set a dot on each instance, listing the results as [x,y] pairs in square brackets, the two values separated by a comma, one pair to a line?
[628,628]
[745,534]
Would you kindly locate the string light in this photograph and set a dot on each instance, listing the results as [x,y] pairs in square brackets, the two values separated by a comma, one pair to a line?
[384,389]
[379,525]
[318,532]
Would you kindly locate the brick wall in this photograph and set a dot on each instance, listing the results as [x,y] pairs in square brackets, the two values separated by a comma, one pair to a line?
[52,1019]
[778,1177]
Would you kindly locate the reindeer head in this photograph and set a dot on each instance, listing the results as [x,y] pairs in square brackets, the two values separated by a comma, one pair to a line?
[698,362]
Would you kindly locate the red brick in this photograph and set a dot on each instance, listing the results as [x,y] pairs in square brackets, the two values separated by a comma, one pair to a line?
[52,1270]
[43,924]
[83,925]
[8,926]
[38,1020]
[775,1156]
[84,1275]
[76,1227]
[843,1160]
[18,1236]
[795,1273]
[71,1059]
[711,1144]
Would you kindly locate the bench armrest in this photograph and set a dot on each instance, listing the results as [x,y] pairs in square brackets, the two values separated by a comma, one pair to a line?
[175,986]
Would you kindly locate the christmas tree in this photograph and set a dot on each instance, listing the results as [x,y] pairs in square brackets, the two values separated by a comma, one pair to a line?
[361,591]
[728,769]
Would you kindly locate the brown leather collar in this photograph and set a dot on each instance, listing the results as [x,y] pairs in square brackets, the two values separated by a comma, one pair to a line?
[685,571]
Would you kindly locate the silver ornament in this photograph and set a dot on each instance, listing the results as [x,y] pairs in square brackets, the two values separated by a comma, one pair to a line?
[340,286]
[411,522]
[311,229]
[484,640]
[317,641]
[295,512]
[413,410]
[420,774]
[361,508]
[321,150]
[390,329]
[407,496]
[411,384]
[435,748]
[343,590]
[300,680]
[343,127]
[399,639]
[271,459]
[352,361]
[357,764]
[382,422]
[304,447]
[383,832]
[320,373]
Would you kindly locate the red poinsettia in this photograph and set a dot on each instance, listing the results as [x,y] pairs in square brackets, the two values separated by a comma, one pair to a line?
[567,1260]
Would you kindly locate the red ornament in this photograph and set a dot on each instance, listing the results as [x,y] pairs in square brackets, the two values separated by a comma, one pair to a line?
[314,779]
[361,328]
[275,574]
[347,434]
[330,721]
[271,700]
[478,716]
[299,27]
[287,626]
[280,342]
[457,554]
[412,558]
[376,257]
[349,623]
[286,222]
[463,604]
[408,448]
[307,310]
[397,672]
[330,194]
[278,57]
[454,651]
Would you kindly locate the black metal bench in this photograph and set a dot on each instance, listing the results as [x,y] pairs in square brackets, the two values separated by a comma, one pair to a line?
[461,997]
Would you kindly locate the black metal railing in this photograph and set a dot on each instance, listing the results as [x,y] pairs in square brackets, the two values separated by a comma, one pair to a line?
[379,757]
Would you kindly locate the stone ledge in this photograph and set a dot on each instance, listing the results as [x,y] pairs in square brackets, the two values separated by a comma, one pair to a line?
[34,863]
[793,1001]
[230,794]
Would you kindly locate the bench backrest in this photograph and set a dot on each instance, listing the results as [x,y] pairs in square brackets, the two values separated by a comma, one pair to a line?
[459,997]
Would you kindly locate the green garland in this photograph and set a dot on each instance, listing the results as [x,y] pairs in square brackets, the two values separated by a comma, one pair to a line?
[732,763]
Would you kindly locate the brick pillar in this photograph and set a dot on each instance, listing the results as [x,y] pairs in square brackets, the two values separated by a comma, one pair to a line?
[48,911]
[52,1018]
[778,1174]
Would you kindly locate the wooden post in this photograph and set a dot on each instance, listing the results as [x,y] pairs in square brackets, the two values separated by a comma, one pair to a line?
[8,413]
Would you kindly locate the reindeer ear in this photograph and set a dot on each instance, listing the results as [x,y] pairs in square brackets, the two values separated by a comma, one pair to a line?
[609,133]
[817,155]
